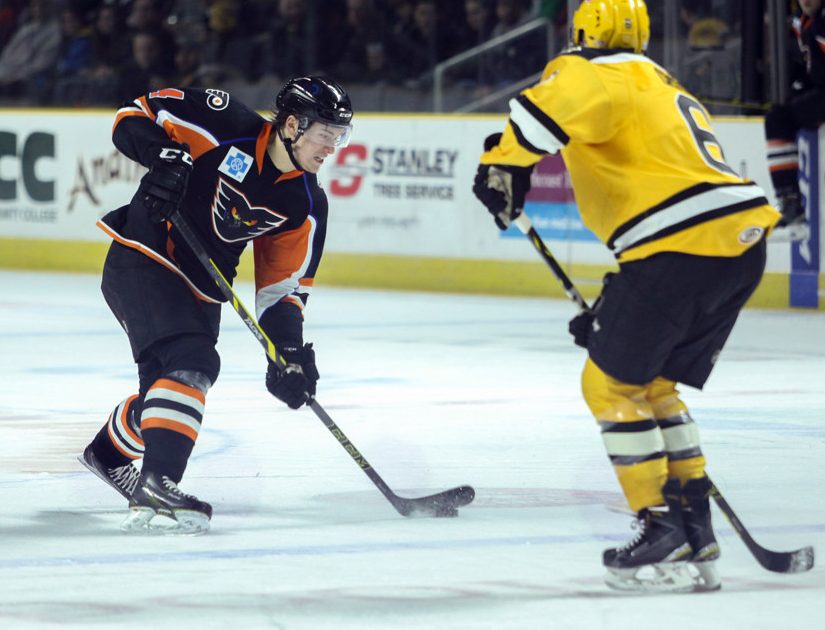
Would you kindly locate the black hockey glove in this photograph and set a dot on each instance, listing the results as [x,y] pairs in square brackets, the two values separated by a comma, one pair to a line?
[163,187]
[294,384]
[581,325]
[502,188]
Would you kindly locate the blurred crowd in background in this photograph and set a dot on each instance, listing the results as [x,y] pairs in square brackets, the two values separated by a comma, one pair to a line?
[72,53]
[100,52]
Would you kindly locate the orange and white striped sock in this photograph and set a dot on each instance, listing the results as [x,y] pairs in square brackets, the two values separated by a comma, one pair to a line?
[783,161]
[169,425]
[123,432]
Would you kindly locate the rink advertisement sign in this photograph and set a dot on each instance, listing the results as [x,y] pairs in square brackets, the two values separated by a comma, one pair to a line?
[27,187]
[551,205]
[59,174]
[402,187]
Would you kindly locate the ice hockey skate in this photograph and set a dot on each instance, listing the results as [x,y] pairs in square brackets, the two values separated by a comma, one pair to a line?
[699,530]
[656,560]
[158,506]
[793,226]
[121,478]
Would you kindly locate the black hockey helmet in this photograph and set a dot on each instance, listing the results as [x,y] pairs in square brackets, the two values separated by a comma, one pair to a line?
[314,99]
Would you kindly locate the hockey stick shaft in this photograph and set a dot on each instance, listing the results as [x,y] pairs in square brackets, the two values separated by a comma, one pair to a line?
[778,561]
[402,505]
[526,226]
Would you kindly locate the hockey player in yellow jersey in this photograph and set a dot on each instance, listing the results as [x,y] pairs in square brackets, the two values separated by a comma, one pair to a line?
[651,182]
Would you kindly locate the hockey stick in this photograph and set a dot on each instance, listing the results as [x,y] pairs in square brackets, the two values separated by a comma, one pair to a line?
[777,561]
[441,504]
[526,226]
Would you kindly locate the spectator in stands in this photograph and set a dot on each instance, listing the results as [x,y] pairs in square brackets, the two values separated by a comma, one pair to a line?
[188,64]
[27,61]
[9,14]
[147,15]
[704,29]
[522,56]
[510,14]
[290,49]
[398,14]
[709,65]
[364,53]
[228,46]
[73,67]
[474,30]
[110,48]
[429,41]
[145,70]
[75,45]
[477,25]
[109,51]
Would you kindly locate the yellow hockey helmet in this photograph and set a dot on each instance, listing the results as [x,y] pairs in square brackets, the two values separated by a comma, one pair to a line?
[612,24]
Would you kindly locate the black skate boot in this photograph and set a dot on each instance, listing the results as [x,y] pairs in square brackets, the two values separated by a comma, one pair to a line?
[157,495]
[122,478]
[699,530]
[660,547]
[793,221]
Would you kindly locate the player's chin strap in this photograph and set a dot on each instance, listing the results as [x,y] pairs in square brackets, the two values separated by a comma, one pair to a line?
[288,142]
[777,561]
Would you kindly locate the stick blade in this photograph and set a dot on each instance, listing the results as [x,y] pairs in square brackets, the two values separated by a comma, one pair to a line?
[442,505]
[797,561]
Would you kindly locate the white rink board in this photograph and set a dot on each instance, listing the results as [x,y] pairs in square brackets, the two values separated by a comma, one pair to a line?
[402,187]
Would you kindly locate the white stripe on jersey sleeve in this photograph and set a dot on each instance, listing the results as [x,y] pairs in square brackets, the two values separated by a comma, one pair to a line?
[163,116]
[533,131]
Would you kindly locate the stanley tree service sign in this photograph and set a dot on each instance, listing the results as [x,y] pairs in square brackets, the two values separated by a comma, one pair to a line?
[403,186]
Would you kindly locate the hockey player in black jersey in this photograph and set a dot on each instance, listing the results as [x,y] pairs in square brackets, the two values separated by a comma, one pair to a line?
[805,109]
[236,177]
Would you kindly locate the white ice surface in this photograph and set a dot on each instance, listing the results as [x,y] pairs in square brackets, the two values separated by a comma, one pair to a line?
[436,391]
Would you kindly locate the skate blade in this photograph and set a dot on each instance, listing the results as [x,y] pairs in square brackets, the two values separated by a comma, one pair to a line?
[147,522]
[665,577]
[790,233]
[707,576]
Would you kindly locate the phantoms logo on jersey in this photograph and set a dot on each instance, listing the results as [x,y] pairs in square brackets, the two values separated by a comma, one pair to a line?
[235,219]
[236,164]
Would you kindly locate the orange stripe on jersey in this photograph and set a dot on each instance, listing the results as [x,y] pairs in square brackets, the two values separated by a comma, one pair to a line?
[167,383]
[198,143]
[169,425]
[307,282]
[144,105]
[261,144]
[290,175]
[126,114]
[279,256]
[157,258]
[294,300]
[772,144]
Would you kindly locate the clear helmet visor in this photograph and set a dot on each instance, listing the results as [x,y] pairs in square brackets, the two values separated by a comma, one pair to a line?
[334,136]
